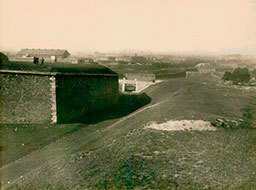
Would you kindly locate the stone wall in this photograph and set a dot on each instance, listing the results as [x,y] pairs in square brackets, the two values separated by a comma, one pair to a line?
[35,97]
[81,95]
[25,98]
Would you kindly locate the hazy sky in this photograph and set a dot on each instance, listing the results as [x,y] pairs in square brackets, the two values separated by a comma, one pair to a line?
[111,25]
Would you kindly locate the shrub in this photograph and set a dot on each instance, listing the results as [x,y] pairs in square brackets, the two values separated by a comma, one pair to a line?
[239,75]
[247,118]
[227,76]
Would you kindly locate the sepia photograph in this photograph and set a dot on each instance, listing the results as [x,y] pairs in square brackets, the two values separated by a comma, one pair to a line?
[127,94]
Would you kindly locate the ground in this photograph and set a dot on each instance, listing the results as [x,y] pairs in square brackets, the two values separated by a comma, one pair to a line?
[121,153]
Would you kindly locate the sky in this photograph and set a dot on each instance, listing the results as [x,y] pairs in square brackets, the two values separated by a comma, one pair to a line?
[116,25]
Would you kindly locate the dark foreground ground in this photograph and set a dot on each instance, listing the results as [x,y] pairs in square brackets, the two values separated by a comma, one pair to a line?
[121,154]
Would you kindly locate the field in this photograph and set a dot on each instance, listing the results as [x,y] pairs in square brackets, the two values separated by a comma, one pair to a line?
[160,70]
[119,153]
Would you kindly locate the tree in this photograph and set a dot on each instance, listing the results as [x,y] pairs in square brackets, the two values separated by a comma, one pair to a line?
[240,75]
[254,73]
[227,76]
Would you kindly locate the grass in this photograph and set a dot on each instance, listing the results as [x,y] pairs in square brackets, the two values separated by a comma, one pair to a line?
[180,160]
[148,159]
[161,71]
[20,140]
[56,67]
[121,154]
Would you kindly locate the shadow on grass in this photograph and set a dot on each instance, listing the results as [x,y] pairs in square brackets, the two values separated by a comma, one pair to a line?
[125,105]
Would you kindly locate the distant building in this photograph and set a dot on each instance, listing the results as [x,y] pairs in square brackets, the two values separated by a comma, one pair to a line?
[111,58]
[77,60]
[124,58]
[205,68]
[101,59]
[139,59]
[233,57]
[88,60]
[70,59]
[229,64]
[48,54]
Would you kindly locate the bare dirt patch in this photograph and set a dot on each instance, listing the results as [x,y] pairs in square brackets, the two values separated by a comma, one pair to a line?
[181,125]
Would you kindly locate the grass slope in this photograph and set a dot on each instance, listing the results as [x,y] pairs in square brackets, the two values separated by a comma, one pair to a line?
[56,67]
[20,140]
[186,99]
[121,154]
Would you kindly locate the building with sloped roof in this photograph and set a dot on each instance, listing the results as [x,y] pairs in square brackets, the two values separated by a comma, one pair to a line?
[205,68]
[71,59]
[77,60]
[47,54]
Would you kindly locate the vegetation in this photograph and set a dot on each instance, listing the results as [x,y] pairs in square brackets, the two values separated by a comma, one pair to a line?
[254,73]
[239,75]
[56,67]
[22,139]
[227,76]
[161,70]
[248,119]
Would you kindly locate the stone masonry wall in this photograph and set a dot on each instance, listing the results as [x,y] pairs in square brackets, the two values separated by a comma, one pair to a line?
[30,97]
[78,95]
[25,98]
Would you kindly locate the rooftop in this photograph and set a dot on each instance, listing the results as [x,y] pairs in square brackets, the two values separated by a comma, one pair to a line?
[42,51]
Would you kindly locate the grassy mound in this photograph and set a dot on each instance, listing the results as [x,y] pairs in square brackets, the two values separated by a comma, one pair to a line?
[190,99]
[122,154]
[57,67]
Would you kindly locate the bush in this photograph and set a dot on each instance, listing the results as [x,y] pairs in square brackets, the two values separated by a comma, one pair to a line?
[227,76]
[239,75]
[247,119]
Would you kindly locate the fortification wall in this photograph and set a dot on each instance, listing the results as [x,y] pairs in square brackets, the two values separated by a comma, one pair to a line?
[25,98]
[78,96]
[35,97]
